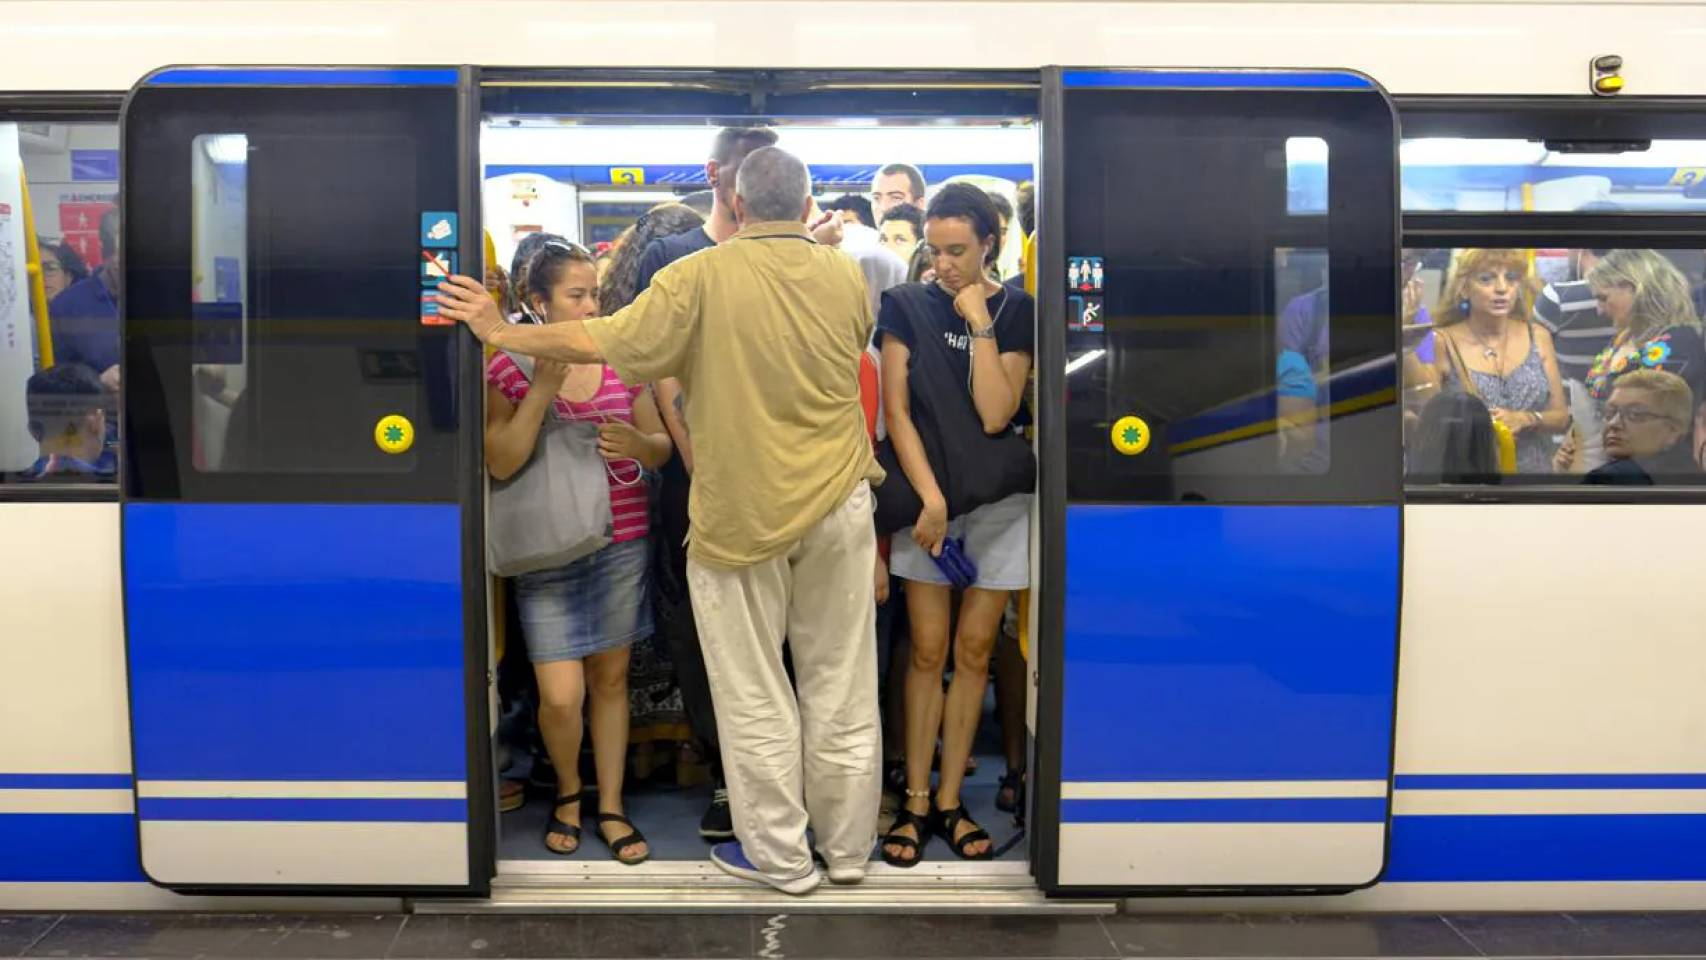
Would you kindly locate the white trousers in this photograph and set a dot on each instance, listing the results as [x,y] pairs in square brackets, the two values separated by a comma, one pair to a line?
[819,596]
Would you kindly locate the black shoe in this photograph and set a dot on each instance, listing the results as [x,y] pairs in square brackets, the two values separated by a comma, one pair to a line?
[718,823]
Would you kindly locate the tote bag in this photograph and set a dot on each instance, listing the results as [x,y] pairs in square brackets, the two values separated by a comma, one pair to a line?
[973,468]
[556,509]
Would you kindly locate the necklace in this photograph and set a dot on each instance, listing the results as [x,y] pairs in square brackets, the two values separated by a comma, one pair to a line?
[1490,353]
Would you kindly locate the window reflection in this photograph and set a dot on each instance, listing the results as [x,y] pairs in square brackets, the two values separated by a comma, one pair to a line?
[219,208]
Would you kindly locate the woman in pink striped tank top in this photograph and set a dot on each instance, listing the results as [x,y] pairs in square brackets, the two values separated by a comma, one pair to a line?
[579,620]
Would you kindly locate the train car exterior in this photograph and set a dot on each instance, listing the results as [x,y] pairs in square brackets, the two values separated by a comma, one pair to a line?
[1548,728]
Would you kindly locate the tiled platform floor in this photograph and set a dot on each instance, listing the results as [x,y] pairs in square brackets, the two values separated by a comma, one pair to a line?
[345,937]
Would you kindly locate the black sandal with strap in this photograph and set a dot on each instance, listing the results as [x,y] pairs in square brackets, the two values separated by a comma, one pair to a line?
[562,827]
[920,825]
[621,844]
[950,821]
[1010,796]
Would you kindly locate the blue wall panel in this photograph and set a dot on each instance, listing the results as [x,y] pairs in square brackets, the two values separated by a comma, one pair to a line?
[295,642]
[1230,643]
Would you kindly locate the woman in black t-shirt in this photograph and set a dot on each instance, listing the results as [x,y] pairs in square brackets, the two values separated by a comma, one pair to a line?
[974,339]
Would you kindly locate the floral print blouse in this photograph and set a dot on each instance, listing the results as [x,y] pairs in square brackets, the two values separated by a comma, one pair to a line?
[1679,350]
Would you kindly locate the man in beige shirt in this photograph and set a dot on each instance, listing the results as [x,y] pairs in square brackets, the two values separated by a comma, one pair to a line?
[765,333]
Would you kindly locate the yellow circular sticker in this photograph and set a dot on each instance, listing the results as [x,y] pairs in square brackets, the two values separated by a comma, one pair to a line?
[394,434]
[1130,436]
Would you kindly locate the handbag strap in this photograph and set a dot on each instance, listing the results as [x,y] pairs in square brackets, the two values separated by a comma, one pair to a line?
[525,365]
[1458,366]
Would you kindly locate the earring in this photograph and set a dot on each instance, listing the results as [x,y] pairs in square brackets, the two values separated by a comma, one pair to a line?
[1463,306]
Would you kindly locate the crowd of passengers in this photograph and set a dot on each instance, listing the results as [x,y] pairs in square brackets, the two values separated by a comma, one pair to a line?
[1600,376]
[832,362]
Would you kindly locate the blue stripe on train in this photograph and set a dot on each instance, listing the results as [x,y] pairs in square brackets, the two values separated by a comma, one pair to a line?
[65,781]
[1551,781]
[69,848]
[1231,810]
[295,642]
[1587,847]
[1216,79]
[304,810]
[1230,643]
[73,847]
[303,77]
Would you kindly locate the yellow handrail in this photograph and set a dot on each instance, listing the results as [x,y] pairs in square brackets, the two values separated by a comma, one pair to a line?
[38,287]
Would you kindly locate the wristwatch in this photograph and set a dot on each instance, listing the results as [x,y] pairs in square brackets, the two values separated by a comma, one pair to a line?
[987,333]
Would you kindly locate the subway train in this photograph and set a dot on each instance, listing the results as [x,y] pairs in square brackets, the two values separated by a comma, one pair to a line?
[254,669]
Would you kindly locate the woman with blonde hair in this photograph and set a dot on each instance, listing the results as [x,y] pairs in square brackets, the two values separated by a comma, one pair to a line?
[1490,348]
[1651,310]
[1648,302]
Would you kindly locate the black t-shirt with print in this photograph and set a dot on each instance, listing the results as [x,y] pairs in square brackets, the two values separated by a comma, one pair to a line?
[1015,315]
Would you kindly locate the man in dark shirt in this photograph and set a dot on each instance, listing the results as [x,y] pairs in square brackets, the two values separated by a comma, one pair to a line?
[84,316]
[727,151]
[68,418]
[85,325]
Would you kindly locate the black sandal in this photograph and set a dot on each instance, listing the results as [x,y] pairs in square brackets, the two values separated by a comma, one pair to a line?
[950,821]
[1010,796]
[906,818]
[558,826]
[623,843]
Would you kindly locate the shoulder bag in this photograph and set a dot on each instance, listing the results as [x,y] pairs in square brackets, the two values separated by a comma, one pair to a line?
[556,509]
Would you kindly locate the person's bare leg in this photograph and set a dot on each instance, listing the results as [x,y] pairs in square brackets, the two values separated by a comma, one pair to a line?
[928,614]
[562,694]
[1011,677]
[607,685]
[980,621]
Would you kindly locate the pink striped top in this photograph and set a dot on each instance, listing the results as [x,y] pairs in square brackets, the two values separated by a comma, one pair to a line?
[629,505]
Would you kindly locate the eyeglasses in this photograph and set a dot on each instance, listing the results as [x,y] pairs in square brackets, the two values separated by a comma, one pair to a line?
[1632,415]
[567,246]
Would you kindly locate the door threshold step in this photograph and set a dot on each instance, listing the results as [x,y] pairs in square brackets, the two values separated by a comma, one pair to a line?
[865,898]
[524,887]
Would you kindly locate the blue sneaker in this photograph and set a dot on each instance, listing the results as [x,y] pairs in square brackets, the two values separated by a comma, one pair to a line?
[731,859]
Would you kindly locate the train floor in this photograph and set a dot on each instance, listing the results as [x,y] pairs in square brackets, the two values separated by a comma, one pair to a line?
[670,820]
[669,816]
[352,937]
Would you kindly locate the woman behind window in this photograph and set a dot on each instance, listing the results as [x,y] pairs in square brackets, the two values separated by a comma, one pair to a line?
[579,620]
[1454,442]
[986,332]
[1650,307]
[60,266]
[1647,424]
[1489,347]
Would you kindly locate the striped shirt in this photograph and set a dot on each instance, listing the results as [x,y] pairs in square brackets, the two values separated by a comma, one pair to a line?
[1571,314]
[630,505]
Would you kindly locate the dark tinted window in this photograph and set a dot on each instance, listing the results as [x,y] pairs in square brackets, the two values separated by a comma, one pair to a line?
[1211,321]
[276,315]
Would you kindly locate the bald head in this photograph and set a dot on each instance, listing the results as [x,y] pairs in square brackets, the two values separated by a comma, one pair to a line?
[772,185]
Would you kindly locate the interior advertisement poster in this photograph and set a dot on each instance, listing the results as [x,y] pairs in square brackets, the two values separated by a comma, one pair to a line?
[17,337]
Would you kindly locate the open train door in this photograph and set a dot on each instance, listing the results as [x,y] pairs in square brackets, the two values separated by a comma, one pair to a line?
[1221,484]
[302,498]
